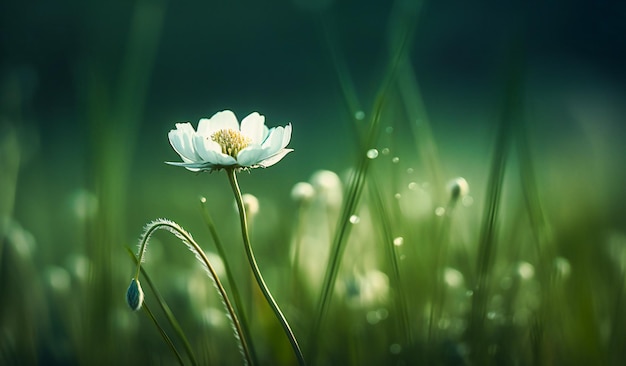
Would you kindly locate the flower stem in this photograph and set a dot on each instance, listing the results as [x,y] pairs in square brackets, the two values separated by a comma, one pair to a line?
[232,177]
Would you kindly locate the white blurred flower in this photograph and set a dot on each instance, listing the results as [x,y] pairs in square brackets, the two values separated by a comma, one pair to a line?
[221,142]
[328,185]
[302,192]
[251,204]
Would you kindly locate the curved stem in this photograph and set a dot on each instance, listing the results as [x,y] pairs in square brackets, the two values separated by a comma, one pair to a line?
[229,275]
[255,268]
[195,248]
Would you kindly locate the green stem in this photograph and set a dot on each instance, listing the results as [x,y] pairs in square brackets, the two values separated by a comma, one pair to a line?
[232,177]
[442,242]
[229,274]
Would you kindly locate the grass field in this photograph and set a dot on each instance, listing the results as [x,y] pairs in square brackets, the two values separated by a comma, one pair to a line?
[410,227]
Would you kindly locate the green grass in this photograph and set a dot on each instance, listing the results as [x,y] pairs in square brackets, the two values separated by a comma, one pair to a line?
[527,269]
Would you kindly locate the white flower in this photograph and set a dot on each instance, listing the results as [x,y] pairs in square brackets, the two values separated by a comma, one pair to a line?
[220,142]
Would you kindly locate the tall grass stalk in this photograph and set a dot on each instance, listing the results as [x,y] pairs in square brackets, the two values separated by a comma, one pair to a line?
[191,244]
[438,299]
[10,154]
[229,275]
[114,112]
[419,122]
[166,310]
[401,302]
[232,178]
[487,244]
[355,188]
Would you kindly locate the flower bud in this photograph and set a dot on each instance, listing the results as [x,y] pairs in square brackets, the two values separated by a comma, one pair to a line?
[134,295]
[302,192]
[458,188]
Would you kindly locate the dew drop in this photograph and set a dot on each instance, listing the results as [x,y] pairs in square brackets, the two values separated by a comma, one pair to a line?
[403,257]
[526,270]
[203,199]
[395,160]
[440,211]
[386,151]
[452,277]
[389,129]
[413,186]
[359,115]
[354,219]
[398,241]
[410,171]
[397,196]
[372,153]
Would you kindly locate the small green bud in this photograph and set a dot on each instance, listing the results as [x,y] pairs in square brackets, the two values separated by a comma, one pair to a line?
[134,295]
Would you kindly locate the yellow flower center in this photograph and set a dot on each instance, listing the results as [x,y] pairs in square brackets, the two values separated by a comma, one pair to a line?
[231,141]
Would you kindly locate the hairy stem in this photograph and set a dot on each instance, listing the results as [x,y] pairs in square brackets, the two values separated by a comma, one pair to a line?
[195,248]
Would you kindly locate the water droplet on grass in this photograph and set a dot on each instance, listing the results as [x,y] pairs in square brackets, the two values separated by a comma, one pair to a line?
[440,211]
[386,151]
[372,153]
[359,115]
[354,219]
[398,241]
[395,160]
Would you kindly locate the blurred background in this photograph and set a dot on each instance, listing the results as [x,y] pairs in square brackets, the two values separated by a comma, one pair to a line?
[89,91]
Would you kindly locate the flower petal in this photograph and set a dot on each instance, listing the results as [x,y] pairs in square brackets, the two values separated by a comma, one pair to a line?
[250,156]
[274,158]
[181,140]
[211,152]
[286,136]
[274,140]
[219,121]
[206,149]
[252,127]
[194,167]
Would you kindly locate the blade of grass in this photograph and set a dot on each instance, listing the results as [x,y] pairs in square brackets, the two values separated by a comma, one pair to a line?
[487,245]
[396,278]
[166,338]
[420,125]
[355,188]
[166,310]
[114,115]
